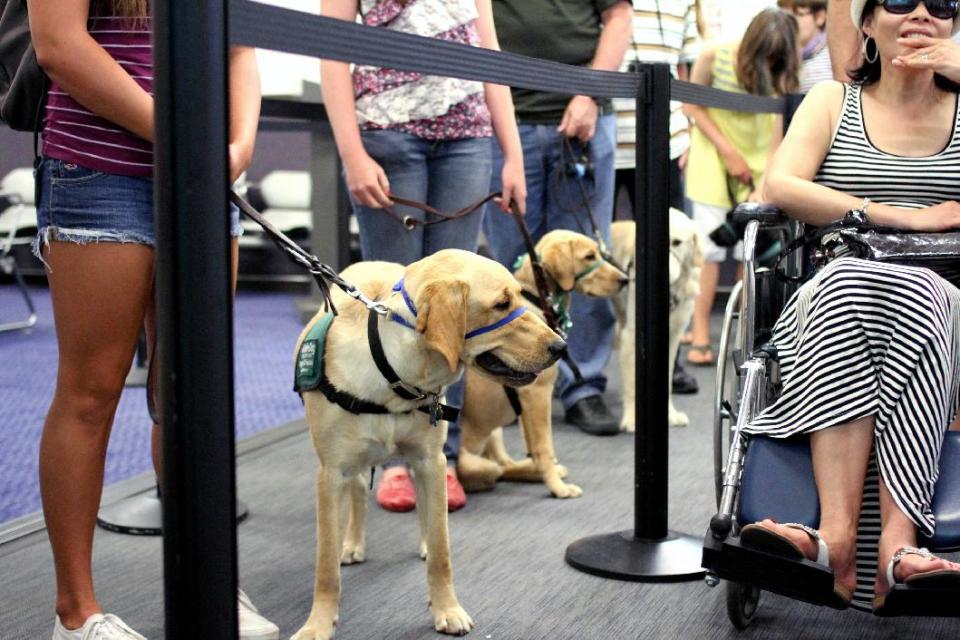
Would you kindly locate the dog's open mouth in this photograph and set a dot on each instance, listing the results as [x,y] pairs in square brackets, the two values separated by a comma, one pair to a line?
[497,367]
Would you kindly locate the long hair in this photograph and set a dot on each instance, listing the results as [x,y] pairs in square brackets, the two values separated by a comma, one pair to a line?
[869,72]
[125,8]
[768,61]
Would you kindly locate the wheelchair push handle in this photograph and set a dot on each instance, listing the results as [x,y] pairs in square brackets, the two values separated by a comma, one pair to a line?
[762,212]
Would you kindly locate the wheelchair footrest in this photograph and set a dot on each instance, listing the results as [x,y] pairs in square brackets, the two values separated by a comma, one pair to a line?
[917,601]
[798,579]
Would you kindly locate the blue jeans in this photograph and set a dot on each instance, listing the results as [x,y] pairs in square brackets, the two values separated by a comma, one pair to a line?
[446,174]
[555,203]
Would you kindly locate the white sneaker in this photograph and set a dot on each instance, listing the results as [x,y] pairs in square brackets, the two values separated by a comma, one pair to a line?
[97,627]
[253,626]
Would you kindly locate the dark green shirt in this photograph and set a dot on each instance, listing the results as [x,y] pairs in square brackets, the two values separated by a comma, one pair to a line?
[564,31]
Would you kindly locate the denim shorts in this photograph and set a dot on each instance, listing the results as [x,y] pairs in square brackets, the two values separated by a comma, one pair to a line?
[85,206]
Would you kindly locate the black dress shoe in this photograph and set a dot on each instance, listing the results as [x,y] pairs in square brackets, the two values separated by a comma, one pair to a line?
[683,382]
[592,416]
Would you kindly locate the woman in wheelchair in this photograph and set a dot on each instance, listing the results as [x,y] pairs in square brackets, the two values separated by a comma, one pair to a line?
[870,352]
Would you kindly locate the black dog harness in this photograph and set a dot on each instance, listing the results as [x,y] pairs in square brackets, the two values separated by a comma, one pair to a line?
[309,373]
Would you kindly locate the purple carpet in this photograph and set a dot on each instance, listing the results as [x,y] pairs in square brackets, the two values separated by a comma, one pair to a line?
[266,328]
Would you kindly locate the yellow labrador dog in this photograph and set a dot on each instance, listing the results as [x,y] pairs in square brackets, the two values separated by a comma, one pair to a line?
[686,259]
[572,262]
[451,309]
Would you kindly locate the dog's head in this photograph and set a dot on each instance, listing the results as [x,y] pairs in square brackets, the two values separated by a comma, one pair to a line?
[686,255]
[574,262]
[686,251]
[458,294]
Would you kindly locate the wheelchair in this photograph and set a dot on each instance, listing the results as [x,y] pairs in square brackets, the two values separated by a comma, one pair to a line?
[758,477]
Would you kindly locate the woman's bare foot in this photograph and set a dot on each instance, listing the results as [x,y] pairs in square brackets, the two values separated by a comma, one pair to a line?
[909,565]
[843,554]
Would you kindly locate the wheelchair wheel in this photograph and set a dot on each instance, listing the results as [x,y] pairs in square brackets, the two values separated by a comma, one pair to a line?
[742,603]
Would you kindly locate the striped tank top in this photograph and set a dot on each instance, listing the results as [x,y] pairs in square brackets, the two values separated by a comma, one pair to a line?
[73,134]
[855,166]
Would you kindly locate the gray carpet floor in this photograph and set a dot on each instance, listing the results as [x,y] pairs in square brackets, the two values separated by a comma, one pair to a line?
[508,548]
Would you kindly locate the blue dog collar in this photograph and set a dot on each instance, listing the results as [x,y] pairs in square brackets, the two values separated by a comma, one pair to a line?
[513,315]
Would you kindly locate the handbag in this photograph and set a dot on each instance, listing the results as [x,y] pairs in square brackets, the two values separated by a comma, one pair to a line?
[23,84]
[855,237]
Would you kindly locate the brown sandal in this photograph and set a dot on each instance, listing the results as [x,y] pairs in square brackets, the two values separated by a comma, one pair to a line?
[706,355]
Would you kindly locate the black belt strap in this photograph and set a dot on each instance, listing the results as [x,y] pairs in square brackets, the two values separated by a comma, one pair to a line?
[514,399]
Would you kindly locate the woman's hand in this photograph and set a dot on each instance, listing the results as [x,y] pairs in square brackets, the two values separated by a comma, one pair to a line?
[367,182]
[737,167]
[514,188]
[240,157]
[941,55]
[941,217]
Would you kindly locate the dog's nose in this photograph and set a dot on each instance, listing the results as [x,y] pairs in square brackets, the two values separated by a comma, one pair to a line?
[556,348]
[624,281]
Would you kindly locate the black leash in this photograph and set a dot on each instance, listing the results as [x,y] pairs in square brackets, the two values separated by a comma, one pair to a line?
[322,273]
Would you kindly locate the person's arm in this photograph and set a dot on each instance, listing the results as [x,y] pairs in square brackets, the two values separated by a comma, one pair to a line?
[365,179]
[843,39]
[776,137]
[580,117]
[789,183]
[500,104]
[76,62]
[244,108]
[702,73]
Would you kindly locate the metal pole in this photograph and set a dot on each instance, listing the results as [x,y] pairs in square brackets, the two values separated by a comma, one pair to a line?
[649,552]
[194,319]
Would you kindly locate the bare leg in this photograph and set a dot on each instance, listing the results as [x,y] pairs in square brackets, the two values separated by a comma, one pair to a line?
[99,293]
[700,327]
[897,531]
[840,456]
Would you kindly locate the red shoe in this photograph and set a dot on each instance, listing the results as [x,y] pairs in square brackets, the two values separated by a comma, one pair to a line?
[396,491]
[456,496]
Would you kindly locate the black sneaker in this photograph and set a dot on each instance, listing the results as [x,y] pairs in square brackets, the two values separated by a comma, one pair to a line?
[683,381]
[592,416]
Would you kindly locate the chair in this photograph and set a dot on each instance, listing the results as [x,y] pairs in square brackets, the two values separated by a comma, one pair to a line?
[759,477]
[18,226]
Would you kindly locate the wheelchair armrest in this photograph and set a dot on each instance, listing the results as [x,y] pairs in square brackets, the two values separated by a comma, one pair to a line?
[763,212]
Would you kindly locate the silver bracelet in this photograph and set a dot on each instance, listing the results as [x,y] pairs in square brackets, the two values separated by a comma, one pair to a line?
[863,209]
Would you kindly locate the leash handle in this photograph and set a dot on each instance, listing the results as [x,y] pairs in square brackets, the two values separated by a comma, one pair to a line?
[410,223]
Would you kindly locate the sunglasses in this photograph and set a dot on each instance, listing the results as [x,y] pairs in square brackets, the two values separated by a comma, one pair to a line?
[941,9]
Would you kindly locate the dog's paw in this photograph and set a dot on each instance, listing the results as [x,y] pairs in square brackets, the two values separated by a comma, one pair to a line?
[678,418]
[627,425]
[567,490]
[352,553]
[452,620]
[423,549]
[314,631]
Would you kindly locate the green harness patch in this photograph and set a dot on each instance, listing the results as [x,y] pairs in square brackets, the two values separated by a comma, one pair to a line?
[309,367]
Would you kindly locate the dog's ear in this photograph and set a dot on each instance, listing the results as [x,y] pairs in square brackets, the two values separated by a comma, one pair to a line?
[442,317]
[559,262]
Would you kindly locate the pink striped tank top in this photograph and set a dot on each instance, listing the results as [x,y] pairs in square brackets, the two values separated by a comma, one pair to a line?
[73,134]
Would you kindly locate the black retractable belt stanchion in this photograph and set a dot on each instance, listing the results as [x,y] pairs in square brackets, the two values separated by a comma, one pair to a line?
[650,552]
[194,314]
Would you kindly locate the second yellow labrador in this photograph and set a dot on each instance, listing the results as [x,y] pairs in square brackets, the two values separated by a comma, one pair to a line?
[447,311]
[572,262]
[686,259]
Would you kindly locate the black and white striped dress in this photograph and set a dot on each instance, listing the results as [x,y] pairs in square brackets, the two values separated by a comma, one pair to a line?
[866,338]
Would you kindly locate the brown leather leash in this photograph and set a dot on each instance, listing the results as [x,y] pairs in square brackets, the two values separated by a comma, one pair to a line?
[410,223]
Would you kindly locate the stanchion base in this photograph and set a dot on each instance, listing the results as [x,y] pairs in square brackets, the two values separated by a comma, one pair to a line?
[142,515]
[622,556]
